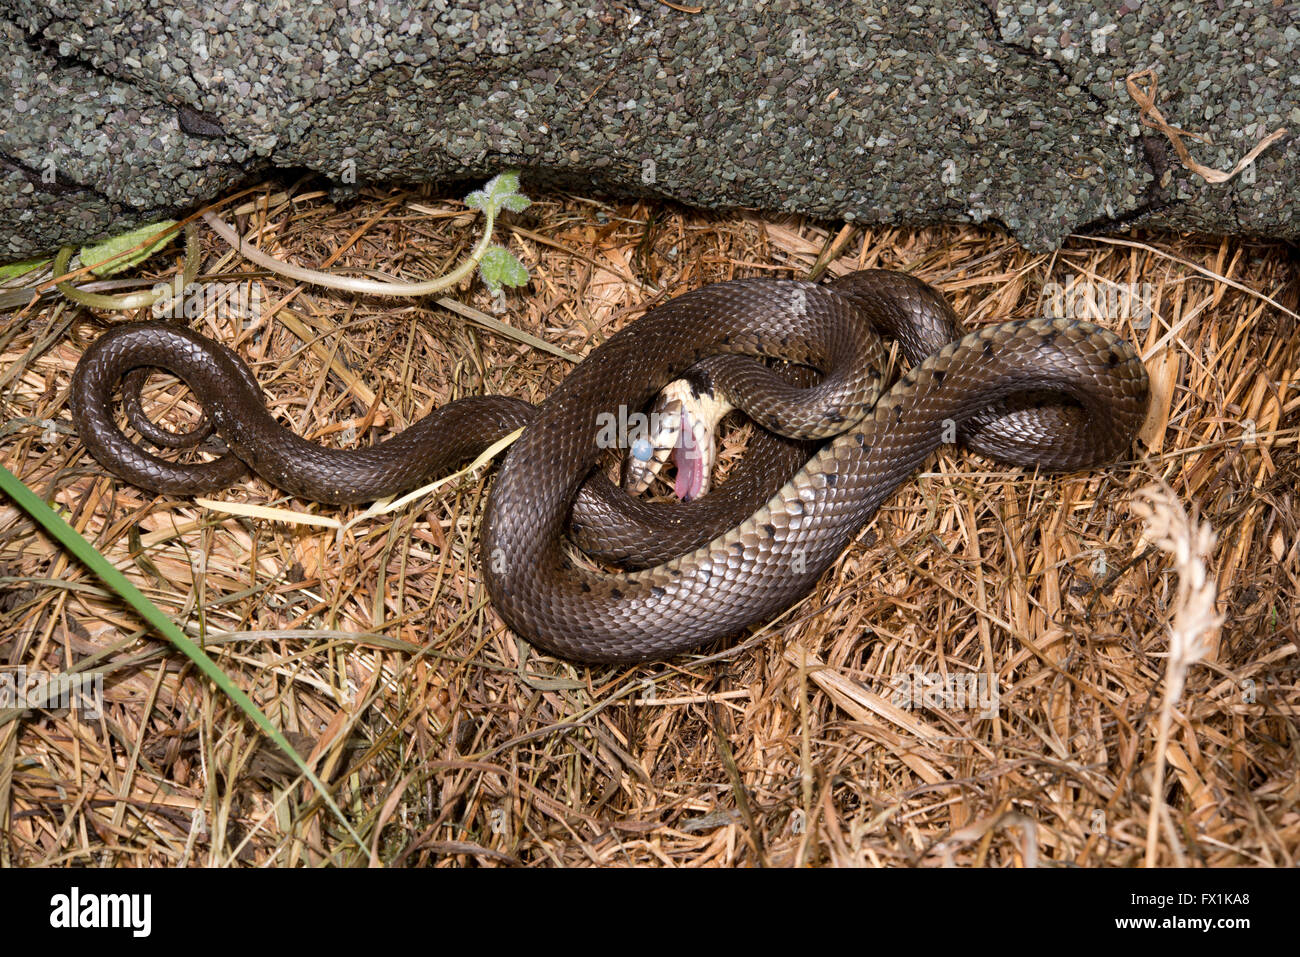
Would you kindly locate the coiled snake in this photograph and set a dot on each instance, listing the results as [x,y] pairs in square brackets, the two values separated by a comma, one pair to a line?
[1053,393]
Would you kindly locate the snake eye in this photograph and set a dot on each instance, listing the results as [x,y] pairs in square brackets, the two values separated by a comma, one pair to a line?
[642,450]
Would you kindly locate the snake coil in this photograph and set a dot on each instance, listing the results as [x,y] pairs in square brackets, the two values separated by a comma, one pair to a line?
[1053,393]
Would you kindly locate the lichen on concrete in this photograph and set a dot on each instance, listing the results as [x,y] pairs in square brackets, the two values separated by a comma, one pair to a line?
[1009,113]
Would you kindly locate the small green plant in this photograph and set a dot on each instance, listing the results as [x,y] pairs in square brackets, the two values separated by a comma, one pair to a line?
[122,252]
[499,266]
[14,270]
[499,269]
[126,249]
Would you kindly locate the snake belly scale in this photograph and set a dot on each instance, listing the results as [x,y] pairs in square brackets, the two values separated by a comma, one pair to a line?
[1053,393]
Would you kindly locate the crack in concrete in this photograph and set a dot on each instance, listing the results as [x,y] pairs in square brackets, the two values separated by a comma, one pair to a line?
[1156,199]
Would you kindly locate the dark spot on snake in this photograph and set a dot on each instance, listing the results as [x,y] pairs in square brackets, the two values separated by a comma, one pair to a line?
[769,529]
[862,440]
[939,376]
[615,594]
[1112,360]
[657,591]
[988,349]
[898,413]
[586,587]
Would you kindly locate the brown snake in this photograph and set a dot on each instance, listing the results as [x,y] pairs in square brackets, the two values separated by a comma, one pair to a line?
[1054,393]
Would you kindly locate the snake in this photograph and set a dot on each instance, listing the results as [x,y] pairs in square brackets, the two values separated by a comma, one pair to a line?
[1054,394]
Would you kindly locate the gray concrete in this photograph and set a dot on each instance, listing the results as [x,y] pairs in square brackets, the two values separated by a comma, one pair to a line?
[945,111]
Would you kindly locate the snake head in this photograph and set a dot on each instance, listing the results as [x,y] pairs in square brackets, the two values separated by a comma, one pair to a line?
[683,424]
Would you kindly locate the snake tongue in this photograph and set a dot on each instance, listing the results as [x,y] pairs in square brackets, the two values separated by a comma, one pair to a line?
[690,459]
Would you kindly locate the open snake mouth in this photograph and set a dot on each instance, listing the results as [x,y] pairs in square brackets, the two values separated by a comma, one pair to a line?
[693,458]
[684,427]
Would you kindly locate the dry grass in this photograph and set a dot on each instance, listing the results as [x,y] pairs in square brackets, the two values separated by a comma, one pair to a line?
[450,743]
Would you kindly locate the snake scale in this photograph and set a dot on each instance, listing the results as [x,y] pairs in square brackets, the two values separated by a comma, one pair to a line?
[1053,393]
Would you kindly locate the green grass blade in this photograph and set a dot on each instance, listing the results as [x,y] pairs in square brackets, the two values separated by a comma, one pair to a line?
[97,563]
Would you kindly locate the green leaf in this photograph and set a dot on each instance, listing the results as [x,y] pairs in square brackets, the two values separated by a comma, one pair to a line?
[500,267]
[111,256]
[14,270]
[516,203]
[500,192]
